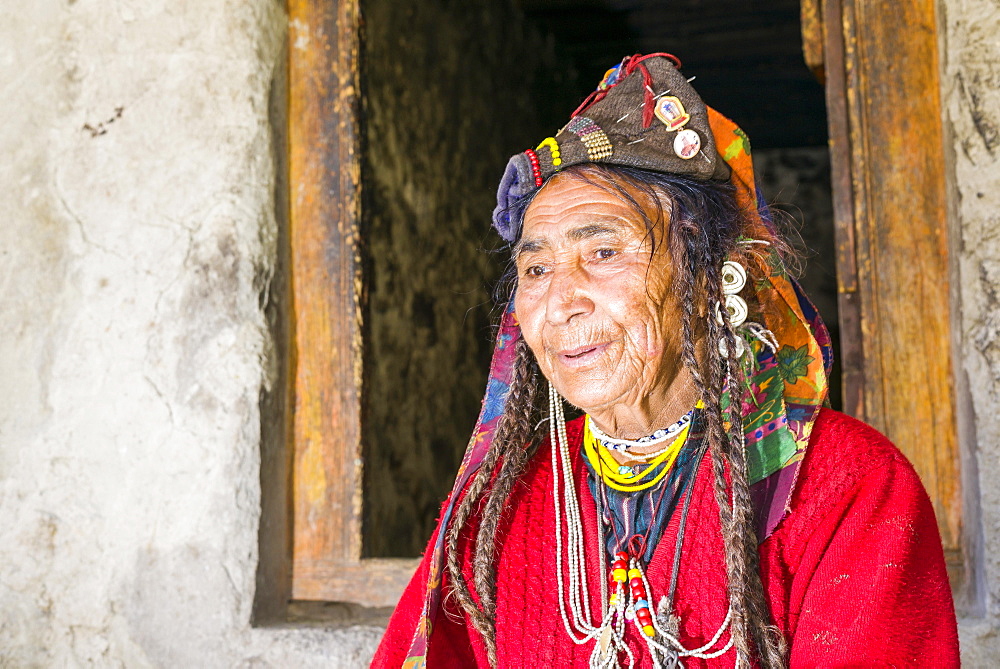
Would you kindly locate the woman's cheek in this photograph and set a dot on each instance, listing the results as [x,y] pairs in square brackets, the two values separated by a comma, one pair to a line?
[655,337]
[526,311]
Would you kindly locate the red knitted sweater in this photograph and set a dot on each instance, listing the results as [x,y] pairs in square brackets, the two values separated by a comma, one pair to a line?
[854,574]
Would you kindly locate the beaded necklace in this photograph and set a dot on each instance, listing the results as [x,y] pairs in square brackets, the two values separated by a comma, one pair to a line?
[636,519]
[623,478]
[657,437]
[574,596]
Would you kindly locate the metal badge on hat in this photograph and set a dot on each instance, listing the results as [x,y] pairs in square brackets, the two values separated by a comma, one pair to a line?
[687,144]
[670,110]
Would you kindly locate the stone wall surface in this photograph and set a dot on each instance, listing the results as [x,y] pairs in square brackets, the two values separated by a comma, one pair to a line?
[137,245]
[971,74]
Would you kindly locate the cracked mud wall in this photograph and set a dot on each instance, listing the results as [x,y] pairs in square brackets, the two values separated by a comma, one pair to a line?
[138,242]
[971,93]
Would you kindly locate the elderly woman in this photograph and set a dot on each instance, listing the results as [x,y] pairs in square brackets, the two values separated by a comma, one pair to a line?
[704,509]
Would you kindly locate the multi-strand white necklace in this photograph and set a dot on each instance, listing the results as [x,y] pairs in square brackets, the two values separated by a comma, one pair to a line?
[623,445]
[630,599]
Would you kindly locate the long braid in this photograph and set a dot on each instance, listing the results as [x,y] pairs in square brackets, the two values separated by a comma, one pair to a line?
[514,461]
[737,565]
[513,445]
[766,636]
[751,613]
[459,586]
[709,378]
[468,503]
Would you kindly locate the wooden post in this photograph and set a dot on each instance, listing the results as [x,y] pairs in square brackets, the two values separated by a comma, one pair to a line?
[327,311]
[887,153]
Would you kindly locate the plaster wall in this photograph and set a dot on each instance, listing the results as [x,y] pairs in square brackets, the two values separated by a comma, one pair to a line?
[136,251]
[971,76]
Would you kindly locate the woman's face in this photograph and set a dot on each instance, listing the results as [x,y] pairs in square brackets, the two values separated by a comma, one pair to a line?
[594,301]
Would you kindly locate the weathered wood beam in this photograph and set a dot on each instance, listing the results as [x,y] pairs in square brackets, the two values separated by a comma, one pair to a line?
[890,209]
[327,310]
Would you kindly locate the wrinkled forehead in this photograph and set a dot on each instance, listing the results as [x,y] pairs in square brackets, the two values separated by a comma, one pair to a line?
[588,203]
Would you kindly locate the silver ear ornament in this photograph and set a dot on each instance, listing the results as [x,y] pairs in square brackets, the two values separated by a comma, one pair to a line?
[737,309]
[734,278]
[741,347]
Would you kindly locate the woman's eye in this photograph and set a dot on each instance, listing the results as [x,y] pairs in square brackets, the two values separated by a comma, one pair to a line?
[604,254]
[535,270]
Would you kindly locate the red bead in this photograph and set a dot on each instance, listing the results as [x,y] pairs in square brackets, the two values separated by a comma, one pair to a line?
[621,555]
[535,169]
[619,564]
[644,616]
[634,581]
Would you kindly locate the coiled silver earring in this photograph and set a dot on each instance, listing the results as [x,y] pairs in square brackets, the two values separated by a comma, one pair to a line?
[734,279]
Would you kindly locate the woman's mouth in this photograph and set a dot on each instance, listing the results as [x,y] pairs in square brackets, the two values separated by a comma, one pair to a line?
[581,355]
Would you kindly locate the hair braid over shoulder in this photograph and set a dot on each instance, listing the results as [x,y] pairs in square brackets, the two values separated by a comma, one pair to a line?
[513,445]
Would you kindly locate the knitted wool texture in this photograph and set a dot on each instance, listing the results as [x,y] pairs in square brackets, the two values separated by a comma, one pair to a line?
[854,574]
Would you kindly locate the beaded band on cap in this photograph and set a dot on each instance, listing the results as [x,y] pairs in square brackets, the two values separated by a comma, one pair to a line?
[596,141]
[536,172]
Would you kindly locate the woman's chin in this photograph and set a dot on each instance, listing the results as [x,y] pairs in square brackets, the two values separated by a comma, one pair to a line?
[591,395]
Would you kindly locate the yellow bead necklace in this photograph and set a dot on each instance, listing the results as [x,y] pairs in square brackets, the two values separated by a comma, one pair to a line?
[608,468]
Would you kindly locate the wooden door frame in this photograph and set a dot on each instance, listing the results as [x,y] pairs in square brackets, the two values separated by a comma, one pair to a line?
[881,69]
[328,311]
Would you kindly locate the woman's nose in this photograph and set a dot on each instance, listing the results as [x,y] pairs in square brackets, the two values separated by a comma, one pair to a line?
[568,295]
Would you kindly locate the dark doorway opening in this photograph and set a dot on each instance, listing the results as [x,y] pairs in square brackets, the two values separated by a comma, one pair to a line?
[451,90]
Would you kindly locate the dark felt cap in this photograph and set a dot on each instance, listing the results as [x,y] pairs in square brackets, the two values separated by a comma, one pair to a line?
[643,114]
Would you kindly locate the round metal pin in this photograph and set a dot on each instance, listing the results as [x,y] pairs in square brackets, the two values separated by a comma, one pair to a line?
[687,144]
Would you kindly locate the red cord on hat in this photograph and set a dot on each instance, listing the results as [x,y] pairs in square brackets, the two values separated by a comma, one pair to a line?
[648,101]
[636,59]
[595,96]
